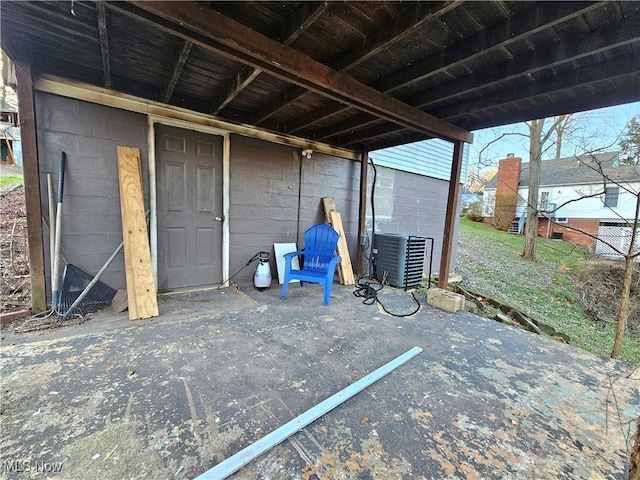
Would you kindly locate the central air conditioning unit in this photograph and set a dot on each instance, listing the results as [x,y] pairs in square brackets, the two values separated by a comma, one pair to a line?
[400,259]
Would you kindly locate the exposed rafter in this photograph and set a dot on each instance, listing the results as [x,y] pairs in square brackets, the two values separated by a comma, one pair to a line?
[215,32]
[344,127]
[531,63]
[177,70]
[394,30]
[501,117]
[525,24]
[366,136]
[471,64]
[285,98]
[495,37]
[571,79]
[304,17]
[104,43]
[505,73]
[240,81]
[502,99]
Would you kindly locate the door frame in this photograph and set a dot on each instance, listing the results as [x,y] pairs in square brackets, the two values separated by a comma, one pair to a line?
[152,120]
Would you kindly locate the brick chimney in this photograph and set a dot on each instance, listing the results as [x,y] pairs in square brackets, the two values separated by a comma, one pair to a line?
[508,178]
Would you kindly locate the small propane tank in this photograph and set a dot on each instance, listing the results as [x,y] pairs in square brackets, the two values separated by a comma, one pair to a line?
[262,277]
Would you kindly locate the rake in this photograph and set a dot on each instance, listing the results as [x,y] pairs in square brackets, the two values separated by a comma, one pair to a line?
[74,298]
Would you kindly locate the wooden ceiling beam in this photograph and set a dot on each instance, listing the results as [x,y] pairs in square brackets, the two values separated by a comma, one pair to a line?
[303,18]
[585,76]
[494,76]
[291,94]
[185,49]
[322,113]
[364,137]
[357,122]
[591,43]
[496,37]
[536,19]
[394,30]
[217,33]
[606,98]
[241,80]
[104,43]
[506,99]
[409,137]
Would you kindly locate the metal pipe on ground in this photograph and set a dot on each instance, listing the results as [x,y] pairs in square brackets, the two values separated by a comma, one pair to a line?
[248,454]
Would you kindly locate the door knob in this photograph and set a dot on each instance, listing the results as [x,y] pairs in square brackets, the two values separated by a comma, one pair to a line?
[219,218]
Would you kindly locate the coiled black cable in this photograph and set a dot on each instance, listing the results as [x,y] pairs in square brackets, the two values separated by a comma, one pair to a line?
[366,290]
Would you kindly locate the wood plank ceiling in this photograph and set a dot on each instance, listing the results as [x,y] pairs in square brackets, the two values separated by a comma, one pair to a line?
[354,75]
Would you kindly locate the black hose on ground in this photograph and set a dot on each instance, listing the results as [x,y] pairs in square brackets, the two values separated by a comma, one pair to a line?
[366,290]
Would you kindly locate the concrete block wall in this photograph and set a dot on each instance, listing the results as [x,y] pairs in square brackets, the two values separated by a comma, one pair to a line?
[276,196]
[327,176]
[263,201]
[91,219]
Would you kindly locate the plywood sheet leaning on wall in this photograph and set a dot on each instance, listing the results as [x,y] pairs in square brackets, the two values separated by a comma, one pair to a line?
[141,289]
[329,205]
[345,266]
[345,270]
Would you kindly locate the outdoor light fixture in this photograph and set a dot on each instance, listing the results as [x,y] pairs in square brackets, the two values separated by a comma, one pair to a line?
[307,153]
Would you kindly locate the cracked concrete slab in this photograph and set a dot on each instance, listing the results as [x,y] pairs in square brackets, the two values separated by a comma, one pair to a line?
[173,396]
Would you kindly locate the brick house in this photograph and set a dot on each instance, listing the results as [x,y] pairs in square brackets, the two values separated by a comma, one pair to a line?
[575,203]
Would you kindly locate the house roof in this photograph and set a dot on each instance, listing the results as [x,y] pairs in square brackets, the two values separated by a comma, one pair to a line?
[578,170]
[354,75]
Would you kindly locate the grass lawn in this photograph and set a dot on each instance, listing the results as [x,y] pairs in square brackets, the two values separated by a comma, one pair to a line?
[490,263]
[8,180]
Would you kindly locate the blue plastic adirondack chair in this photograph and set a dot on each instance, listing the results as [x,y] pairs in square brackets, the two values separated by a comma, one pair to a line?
[320,260]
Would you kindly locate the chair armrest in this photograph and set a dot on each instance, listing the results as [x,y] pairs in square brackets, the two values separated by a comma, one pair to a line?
[293,254]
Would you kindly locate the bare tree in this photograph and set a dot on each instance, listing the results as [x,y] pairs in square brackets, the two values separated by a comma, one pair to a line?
[634,464]
[629,258]
[477,179]
[630,143]
[562,125]
[629,252]
[537,139]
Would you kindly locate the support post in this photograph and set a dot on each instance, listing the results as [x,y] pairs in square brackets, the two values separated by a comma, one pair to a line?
[362,214]
[450,218]
[31,174]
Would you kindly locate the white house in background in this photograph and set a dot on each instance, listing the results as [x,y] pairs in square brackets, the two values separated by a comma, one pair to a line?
[581,199]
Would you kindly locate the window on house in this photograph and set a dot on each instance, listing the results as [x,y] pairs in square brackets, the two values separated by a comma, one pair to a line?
[544,197]
[611,197]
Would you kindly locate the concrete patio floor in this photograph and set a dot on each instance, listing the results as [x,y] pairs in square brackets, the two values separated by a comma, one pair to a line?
[172,396]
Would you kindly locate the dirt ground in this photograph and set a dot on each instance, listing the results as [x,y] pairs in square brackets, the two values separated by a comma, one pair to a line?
[14,261]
